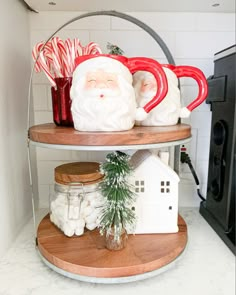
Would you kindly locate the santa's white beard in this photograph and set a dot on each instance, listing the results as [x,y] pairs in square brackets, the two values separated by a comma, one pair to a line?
[114,111]
[164,114]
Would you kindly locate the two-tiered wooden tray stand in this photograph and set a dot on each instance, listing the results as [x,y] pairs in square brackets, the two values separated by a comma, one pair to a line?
[85,257]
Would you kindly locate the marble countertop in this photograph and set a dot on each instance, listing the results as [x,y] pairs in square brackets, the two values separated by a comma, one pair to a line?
[207,267]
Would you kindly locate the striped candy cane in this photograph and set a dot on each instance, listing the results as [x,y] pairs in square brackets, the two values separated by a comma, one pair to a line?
[35,52]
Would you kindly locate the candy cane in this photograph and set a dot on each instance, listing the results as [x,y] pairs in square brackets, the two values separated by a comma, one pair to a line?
[59,56]
[41,63]
[93,48]
[79,48]
[35,52]
[48,55]
[69,60]
[57,60]
[46,69]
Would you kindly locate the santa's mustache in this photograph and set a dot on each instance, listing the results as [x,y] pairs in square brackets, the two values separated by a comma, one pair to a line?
[101,93]
[146,95]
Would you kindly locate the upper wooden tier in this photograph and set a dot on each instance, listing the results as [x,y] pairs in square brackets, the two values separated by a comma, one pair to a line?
[139,135]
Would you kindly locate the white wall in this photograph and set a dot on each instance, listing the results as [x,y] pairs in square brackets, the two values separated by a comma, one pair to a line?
[15,207]
[193,38]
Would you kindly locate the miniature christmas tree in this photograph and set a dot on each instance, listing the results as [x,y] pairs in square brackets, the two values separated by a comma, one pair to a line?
[116,213]
[114,49]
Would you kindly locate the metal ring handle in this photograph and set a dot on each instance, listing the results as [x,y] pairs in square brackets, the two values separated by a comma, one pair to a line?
[127,17]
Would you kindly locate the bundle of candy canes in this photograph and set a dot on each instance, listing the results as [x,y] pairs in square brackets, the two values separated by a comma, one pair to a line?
[56,58]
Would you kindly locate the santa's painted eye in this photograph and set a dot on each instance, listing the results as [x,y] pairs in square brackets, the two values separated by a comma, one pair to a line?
[92,80]
[110,80]
[146,84]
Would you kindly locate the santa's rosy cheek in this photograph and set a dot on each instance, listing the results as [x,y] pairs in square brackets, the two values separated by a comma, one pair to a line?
[148,87]
[90,84]
[112,84]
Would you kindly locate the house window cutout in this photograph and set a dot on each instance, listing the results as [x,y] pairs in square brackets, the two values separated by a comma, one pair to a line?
[139,186]
[165,187]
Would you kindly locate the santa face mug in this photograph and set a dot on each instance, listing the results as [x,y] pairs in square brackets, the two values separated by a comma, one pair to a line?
[103,98]
[169,110]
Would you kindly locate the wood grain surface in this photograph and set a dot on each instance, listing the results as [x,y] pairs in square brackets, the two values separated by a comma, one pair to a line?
[78,172]
[52,134]
[86,255]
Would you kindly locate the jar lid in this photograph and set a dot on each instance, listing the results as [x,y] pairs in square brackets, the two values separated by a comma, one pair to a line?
[78,172]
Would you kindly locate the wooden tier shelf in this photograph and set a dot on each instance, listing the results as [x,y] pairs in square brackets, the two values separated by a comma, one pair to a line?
[87,256]
[139,135]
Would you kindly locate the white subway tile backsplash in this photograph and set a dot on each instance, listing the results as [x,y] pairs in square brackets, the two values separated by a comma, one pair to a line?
[39,36]
[42,36]
[40,78]
[201,121]
[43,21]
[119,24]
[140,43]
[188,94]
[41,117]
[203,146]
[79,156]
[97,156]
[206,65]
[44,194]
[49,98]
[202,44]
[40,98]
[215,22]
[46,171]
[162,21]
[191,151]
[90,156]
[83,36]
[202,171]
[45,154]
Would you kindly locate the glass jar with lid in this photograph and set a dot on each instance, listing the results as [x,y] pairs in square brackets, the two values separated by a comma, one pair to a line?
[76,199]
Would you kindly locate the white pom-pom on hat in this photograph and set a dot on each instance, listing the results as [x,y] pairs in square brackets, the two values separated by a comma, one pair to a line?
[184,113]
[141,114]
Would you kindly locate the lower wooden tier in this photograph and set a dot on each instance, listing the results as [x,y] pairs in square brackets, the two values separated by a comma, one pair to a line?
[87,256]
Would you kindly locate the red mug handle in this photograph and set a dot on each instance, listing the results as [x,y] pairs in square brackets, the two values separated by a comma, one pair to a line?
[150,65]
[199,77]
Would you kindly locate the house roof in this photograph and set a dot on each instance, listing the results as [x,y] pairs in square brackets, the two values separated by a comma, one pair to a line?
[139,157]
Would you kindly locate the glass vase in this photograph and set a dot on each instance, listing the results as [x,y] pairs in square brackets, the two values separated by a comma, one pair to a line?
[116,243]
[61,102]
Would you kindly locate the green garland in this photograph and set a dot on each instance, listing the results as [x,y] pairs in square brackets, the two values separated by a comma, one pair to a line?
[118,193]
[114,49]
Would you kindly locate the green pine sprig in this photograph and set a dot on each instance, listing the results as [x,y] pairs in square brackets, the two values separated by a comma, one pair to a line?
[114,49]
[118,194]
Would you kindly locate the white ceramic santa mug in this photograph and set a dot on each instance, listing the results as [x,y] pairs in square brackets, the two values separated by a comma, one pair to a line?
[103,97]
[169,110]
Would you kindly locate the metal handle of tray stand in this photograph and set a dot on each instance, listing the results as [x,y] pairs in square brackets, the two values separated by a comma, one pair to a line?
[124,16]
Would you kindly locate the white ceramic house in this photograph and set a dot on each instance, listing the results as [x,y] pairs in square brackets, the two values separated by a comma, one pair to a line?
[156,186]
